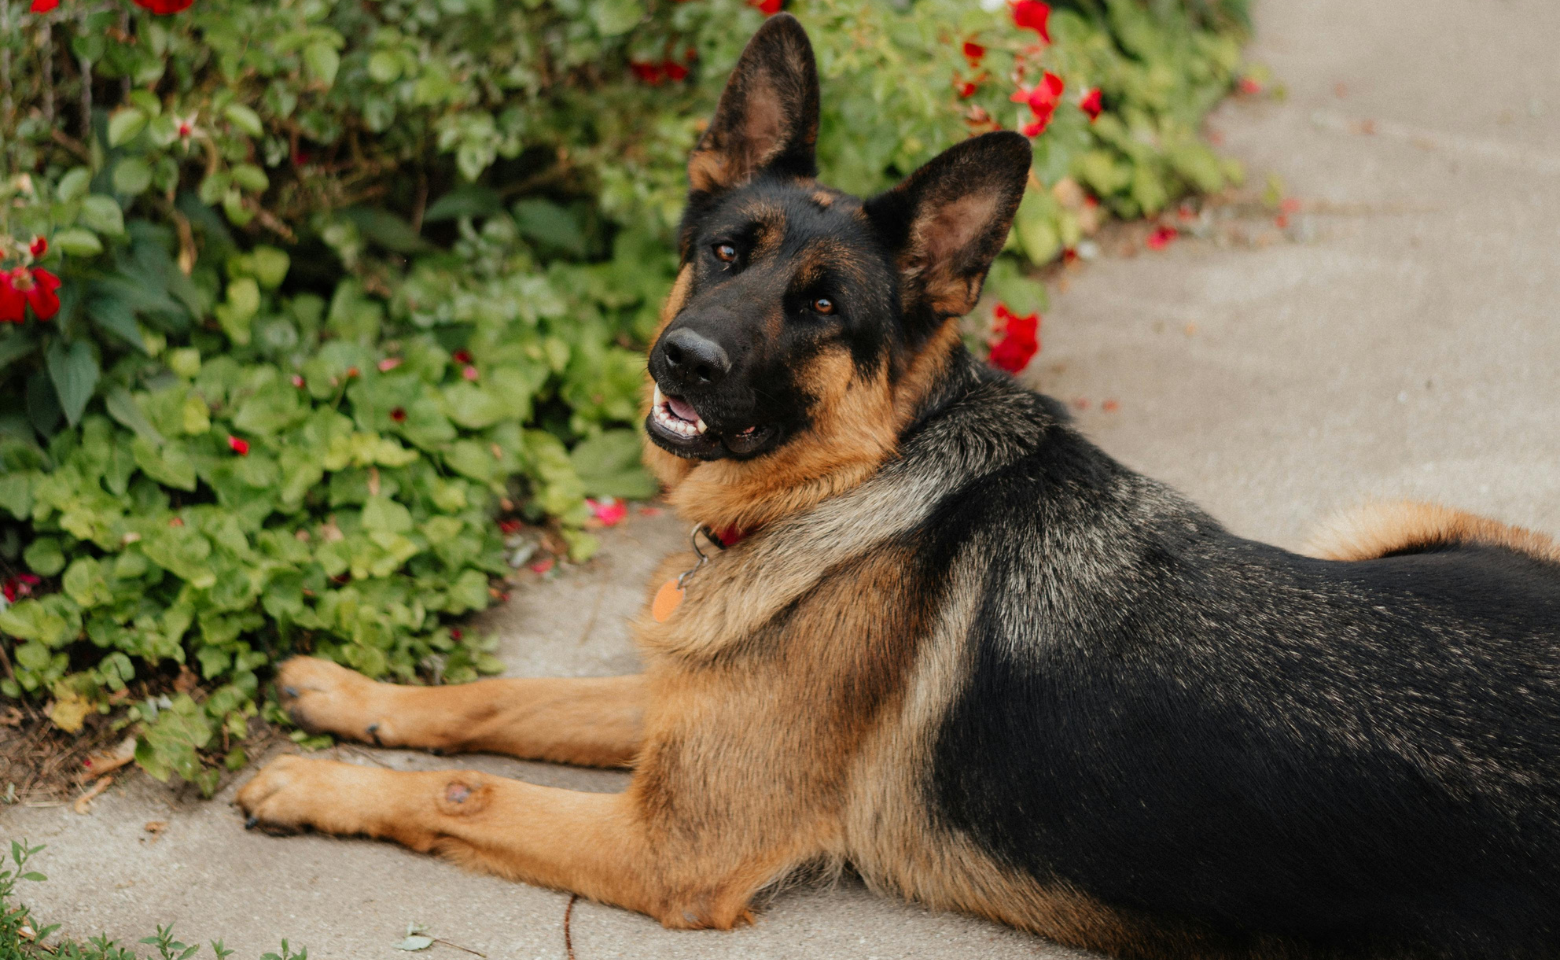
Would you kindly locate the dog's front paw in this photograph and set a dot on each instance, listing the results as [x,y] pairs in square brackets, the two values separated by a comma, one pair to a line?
[293,794]
[323,697]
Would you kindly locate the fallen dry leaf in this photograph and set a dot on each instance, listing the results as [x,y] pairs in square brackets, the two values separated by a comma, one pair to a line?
[12,717]
[155,828]
[100,764]
[70,711]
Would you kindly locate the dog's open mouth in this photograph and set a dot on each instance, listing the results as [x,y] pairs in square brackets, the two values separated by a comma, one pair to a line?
[676,425]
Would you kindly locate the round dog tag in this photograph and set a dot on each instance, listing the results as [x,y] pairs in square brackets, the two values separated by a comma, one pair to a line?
[666,600]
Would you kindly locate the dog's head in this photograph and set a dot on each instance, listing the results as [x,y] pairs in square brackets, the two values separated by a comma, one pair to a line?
[801,314]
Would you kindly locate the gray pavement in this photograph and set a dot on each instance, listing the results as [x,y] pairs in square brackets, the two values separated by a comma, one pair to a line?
[1407,348]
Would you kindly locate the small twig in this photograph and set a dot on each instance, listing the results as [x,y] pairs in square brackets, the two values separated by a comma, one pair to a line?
[82,802]
[272,224]
[594,610]
[71,143]
[459,947]
[5,658]
[568,936]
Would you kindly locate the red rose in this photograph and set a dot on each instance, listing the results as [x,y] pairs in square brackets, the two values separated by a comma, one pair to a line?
[164,7]
[1027,15]
[1091,103]
[240,447]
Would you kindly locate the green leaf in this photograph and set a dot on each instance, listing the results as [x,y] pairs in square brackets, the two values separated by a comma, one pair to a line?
[609,466]
[122,406]
[238,313]
[415,942]
[169,464]
[74,185]
[102,214]
[384,67]
[74,371]
[323,62]
[115,316]
[78,242]
[616,17]
[31,620]
[270,266]
[467,200]
[250,177]
[551,225]
[44,557]
[132,176]
[124,124]
[245,119]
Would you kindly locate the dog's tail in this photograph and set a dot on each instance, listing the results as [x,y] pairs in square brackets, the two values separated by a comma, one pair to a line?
[1393,529]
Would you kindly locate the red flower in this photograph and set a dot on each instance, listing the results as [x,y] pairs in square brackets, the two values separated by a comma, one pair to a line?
[1250,86]
[298,380]
[964,88]
[546,563]
[455,633]
[21,585]
[768,7]
[470,373]
[609,511]
[32,286]
[388,364]
[1162,237]
[164,7]
[973,52]
[240,447]
[674,71]
[43,6]
[38,247]
[1091,103]
[646,72]
[506,527]
[462,356]
[1019,342]
[398,414]
[1042,102]
[1027,15]
[13,304]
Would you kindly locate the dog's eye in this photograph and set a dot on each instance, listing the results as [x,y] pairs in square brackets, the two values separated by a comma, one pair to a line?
[725,252]
[823,305]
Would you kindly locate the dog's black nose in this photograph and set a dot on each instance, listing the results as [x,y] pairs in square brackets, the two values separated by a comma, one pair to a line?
[693,360]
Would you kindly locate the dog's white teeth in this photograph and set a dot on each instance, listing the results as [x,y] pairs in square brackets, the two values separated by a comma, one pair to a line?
[699,426]
[658,398]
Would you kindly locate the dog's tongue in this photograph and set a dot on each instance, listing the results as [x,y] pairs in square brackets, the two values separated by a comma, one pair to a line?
[682,409]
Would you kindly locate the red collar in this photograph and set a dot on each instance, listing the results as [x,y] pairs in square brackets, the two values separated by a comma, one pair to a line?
[731,536]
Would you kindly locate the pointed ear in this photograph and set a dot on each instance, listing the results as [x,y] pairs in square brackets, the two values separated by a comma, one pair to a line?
[768,117]
[948,221]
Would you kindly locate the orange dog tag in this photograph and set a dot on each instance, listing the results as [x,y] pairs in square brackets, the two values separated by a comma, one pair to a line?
[666,600]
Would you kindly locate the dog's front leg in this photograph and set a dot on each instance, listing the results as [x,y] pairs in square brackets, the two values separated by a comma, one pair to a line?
[593,844]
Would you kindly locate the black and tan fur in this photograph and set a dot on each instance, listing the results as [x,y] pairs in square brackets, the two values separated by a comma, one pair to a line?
[967,653]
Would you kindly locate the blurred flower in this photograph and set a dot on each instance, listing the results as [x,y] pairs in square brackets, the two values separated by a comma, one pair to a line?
[240,447]
[768,7]
[1092,103]
[462,356]
[1042,100]
[38,247]
[470,373]
[164,7]
[1250,86]
[389,363]
[43,6]
[609,510]
[398,414]
[1028,15]
[28,287]
[21,585]
[1162,238]
[1019,340]
[973,52]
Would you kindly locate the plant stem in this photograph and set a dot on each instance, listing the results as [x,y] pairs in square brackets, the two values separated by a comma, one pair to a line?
[86,89]
[46,53]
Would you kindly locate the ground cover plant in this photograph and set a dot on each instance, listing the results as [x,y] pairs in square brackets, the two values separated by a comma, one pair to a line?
[311,310]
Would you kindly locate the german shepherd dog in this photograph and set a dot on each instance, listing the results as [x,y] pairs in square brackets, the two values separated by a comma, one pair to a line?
[952,644]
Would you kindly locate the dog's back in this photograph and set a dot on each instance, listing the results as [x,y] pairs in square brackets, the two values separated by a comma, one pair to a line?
[1306,755]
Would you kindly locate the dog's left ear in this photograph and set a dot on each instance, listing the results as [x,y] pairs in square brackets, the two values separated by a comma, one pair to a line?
[767,120]
[947,221]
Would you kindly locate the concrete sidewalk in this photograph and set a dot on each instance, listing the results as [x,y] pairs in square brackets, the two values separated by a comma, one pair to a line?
[1408,349]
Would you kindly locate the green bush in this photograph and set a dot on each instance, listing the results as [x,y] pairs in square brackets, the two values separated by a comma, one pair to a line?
[339,279]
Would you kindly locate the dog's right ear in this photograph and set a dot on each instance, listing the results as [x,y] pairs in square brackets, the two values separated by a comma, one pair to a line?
[767,121]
